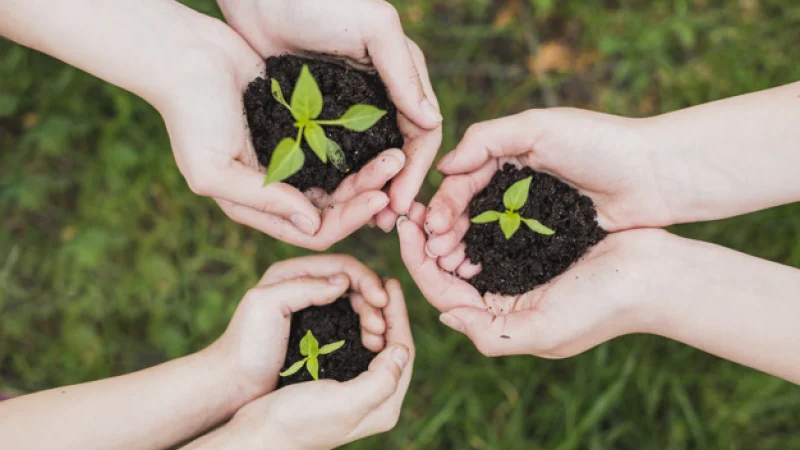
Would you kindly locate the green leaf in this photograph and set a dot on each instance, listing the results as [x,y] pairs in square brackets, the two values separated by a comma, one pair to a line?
[537,226]
[487,217]
[336,155]
[294,368]
[516,196]
[360,117]
[313,367]
[330,348]
[306,98]
[277,94]
[309,345]
[509,223]
[315,136]
[286,160]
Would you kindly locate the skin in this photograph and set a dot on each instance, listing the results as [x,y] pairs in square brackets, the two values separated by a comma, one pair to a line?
[642,174]
[160,407]
[371,38]
[193,70]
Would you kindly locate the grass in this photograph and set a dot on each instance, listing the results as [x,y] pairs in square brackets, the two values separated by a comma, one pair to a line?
[108,263]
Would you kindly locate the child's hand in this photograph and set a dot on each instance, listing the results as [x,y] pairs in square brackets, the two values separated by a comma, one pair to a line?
[605,294]
[325,414]
[254,345]
[367,33]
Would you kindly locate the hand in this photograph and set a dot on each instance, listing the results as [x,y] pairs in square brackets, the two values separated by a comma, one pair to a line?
[254,345]
[212,147]
[366,33]
[604,157]
[602,296]
[325,414]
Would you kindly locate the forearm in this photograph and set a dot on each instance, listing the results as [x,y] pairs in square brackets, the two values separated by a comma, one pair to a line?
[153,408]
[735,306]
[728,157]
[146,47]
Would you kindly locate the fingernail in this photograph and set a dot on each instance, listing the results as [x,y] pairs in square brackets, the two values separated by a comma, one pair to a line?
[451,322]
[303,224]
[400,221]
[400,356]
[339,278]
[448,158]
[430,111]
[393,163]
[379,202]
[429,252]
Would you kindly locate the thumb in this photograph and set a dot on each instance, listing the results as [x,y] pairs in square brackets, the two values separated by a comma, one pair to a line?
[243,185]
[493,335]
[377,384]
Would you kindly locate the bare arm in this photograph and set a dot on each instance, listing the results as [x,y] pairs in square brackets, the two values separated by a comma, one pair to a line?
[735,306]
[151,409]
[728,157]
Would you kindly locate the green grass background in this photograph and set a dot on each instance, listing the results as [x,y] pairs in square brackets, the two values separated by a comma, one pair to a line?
[108,263]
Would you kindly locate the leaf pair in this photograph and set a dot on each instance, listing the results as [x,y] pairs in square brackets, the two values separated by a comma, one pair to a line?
[306,106]
[309,347]
[513,199]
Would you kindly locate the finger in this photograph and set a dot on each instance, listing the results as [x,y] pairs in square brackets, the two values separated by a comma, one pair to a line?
[451,261]
[300,293]
[493,335]
[386,44]
[417,214]
[338,221]
[372,342]
[398,332]
[444,244]
[370,317]
[362,280]
[376,385]
[421,148]
[243,185]
[453,197]
[507,136]
[443,290]
[386,219]
[467,270]
[372,177]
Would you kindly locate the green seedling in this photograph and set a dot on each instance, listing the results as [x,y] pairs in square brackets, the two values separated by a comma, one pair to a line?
[305,107]
[309,347]
[513,199]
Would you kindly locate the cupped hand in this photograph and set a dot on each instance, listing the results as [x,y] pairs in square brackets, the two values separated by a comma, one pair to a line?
[325,414]
[605,157]
[254,344]
[211,142]
[366,34]
[602,296]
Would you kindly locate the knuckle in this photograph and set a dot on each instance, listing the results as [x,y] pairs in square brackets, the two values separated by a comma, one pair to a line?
[387,13]
[473,131]
[390,422]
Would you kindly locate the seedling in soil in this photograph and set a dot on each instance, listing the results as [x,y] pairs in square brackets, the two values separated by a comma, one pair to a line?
[306,106]
[309,347]
[514,199]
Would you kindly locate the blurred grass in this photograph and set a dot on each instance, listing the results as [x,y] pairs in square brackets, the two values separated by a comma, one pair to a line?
[109,264]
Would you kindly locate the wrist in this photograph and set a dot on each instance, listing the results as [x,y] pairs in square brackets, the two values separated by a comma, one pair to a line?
[235,388]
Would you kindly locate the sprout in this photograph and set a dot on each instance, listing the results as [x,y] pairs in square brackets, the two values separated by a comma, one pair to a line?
[513,199]
[309,347]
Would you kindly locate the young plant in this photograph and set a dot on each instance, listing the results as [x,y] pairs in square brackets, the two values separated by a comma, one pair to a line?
[305,107]
[309,347]
[513,199]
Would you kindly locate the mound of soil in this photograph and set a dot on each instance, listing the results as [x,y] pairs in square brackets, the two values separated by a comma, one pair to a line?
[341,87]
[329,323]
[527,260]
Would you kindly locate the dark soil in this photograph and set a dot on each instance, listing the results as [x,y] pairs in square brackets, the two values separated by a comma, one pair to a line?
[329,323]
[529,259]
[341,87]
